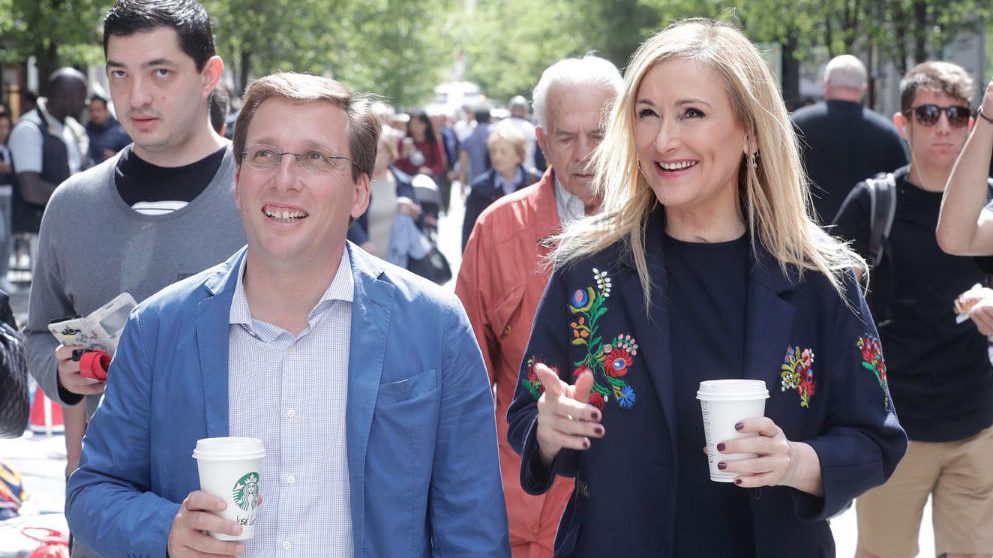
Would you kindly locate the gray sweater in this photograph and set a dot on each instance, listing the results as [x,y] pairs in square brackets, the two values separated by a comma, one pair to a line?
[94,246]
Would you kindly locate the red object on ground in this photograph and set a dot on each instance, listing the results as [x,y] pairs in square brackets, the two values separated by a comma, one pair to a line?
[53,543]
[46,417]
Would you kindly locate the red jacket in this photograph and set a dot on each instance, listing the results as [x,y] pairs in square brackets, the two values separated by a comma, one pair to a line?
[500,282]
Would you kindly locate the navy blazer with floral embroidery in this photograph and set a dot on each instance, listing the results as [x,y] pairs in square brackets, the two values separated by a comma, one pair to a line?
[819,357]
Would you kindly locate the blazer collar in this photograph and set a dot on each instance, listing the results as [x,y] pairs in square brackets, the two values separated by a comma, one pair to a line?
[768,316]
[213,314]
[371,313]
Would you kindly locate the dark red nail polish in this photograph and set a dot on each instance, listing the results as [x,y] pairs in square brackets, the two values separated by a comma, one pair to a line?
[596,416]
[737,481]
[722,465]
[720,446]
[739,426]
[598,430]
[586,443]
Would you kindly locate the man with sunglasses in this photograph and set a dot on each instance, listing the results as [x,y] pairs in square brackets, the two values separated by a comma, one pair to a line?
[939,372]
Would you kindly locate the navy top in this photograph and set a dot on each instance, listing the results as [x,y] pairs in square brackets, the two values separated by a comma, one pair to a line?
[707,294]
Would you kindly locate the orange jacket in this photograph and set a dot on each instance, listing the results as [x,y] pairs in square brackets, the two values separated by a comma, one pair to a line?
[500,282]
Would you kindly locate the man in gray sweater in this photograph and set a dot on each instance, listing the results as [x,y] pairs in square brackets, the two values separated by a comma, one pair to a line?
[160,210]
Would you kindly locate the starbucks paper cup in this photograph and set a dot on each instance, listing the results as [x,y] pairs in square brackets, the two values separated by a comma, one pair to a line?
[725,403]
[230,468]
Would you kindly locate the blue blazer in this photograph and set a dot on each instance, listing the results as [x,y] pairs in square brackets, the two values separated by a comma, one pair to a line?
[421,435]
[624,499]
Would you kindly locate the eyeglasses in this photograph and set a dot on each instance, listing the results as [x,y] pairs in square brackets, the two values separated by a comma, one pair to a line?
[315,161]
[929,114]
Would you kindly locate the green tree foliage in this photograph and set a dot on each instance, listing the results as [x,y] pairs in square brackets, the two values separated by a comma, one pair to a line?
[56,32]
[395,48]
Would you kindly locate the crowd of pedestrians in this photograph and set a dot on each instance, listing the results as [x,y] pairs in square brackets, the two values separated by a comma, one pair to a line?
[637,235]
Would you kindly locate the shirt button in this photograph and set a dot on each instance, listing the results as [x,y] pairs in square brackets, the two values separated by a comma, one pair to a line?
[290,479]
[292,349]
[291,413]
[287,545]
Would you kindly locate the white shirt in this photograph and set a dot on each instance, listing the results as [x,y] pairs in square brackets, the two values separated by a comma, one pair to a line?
[568,206]
[26,143]
[291,392]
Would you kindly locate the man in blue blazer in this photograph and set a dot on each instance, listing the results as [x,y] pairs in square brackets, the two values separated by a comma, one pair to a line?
[364,382]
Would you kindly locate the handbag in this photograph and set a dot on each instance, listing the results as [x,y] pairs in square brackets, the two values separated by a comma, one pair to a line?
[14,406]
[433,266]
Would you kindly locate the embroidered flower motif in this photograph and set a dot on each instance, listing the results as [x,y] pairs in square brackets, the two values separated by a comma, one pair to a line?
[532,383]
[617,361]
[602,282]
[596,400]
[582,300]
[872,360]
[798,373]
[608,362]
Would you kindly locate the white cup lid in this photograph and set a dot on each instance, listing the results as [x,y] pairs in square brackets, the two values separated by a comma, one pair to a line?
[229,448]
[732,390]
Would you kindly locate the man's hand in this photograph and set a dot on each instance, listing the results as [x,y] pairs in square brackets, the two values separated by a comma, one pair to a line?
[196,516]
[406,206]
[565,419]
[69,375]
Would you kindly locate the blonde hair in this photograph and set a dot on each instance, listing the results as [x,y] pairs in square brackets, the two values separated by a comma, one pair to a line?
[775,197]
[507,131]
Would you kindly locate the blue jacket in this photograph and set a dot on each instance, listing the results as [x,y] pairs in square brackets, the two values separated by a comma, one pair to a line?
[624,499]
[416,383]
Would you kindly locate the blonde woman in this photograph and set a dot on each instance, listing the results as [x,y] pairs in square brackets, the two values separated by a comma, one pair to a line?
[703,265]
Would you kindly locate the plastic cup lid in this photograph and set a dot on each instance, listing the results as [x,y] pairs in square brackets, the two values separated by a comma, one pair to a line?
[229,448]
[732,390]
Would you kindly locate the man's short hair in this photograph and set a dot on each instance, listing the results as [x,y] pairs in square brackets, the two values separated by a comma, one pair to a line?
[944,77]
[588,71]
[363,125]
[506,130]
[98,97]
[220,104]
[482,113]
[187,17]
[846,71]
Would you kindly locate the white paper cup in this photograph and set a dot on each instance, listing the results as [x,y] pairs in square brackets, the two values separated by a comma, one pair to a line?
[230,468]
[724,404]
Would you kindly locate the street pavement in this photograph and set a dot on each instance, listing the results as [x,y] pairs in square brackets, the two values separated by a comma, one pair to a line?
[41,459]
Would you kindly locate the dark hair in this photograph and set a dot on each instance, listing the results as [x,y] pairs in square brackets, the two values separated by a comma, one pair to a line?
[482,114]
[363,125]
[945,77]
[220,103]
[187,17]
[98,97]
[423,117]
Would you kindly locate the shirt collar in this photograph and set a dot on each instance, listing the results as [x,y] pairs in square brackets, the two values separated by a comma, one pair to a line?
[501,183]
[569,207]
[342,288]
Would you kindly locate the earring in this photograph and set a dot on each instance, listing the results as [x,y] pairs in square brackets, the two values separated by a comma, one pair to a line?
[752,160]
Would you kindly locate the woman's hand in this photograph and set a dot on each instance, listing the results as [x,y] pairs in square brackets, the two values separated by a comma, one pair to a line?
[987,104]
[779,462]
[565,419]
[408,207]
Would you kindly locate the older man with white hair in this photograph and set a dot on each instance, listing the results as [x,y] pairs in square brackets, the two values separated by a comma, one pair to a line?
[502,277]
[843,142]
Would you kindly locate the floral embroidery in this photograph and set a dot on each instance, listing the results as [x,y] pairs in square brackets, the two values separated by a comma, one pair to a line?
[532,383]
[798,374]
[608,362]
[872,360]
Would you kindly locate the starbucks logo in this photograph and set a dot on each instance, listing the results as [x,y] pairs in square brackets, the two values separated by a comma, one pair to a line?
[246,492]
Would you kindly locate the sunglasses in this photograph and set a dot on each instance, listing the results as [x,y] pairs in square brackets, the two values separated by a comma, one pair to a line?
[928,115]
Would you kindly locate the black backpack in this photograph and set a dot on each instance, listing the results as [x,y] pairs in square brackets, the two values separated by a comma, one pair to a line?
[882,209]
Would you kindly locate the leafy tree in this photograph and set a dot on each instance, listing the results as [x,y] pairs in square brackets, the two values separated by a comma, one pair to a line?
[55,32]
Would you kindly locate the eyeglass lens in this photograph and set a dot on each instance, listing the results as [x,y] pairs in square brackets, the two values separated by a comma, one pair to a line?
[928,115]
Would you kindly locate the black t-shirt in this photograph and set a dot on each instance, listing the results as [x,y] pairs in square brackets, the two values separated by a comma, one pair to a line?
[706,291]
[153,189]
[938,370]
